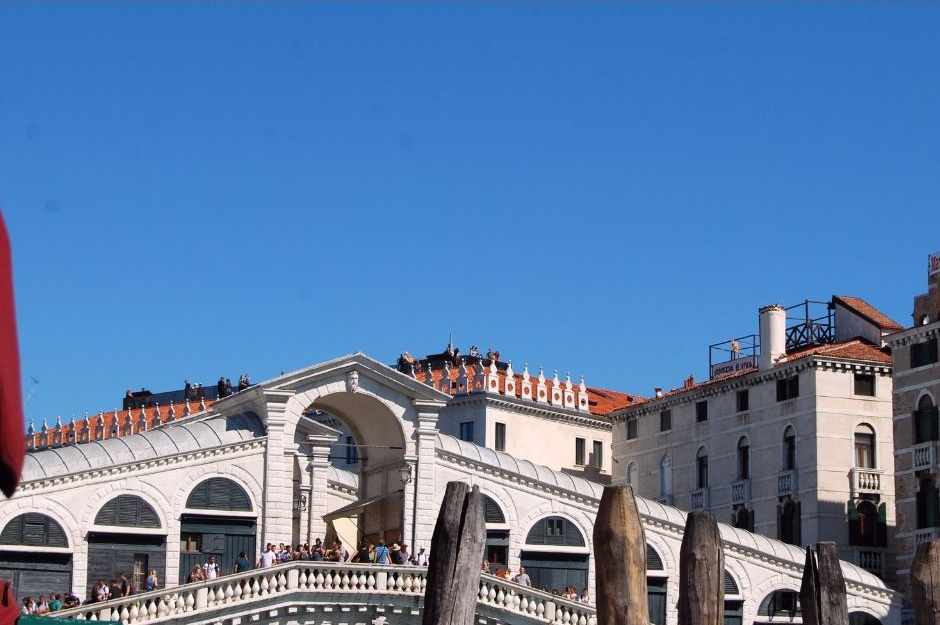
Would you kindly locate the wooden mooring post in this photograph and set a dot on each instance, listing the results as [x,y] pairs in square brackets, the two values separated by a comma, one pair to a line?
[620,560]
[457,545]
[822,591]
[701,572]
[925,583]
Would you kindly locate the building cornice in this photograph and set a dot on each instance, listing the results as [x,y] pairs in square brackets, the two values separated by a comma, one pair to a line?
[914,335]
[785,370]
[130,468]
[524,406]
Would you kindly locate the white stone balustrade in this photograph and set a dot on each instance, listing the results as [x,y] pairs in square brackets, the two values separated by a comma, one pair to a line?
[865,481]
[698,499]
[201,598]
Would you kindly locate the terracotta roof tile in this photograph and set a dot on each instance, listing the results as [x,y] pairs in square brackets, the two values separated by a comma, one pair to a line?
[869,312]
[601,402]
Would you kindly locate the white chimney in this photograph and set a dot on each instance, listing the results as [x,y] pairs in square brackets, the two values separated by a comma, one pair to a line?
[773,335]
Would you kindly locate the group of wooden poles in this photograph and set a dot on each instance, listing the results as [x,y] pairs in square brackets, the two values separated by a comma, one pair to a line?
[459,540]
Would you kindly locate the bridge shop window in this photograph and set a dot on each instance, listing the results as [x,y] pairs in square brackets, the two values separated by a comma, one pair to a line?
[219,493]
[779,606]
[33,572]
[127,511]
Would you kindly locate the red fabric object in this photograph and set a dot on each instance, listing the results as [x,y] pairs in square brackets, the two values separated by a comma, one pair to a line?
[12,446]
[9,610]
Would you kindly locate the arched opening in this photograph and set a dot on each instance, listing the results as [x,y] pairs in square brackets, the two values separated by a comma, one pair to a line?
[41,567]
[128,540]
[734,602]
[372,443]
[788,521]
[497,536]
[550,557]
[925,421]
[656,581]
[218,523]
[744,458]
[701,468]
[862,618]
[780,606]
[928,504]
[789,449]
[865,446]
[743,518]
[865,527]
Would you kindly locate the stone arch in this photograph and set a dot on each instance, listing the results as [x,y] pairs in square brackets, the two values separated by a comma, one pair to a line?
[130,486]
[753,600]
[498,494]
[240,475]
[664,547]
[787,427]
[55,511]
[546,509]
[920,396]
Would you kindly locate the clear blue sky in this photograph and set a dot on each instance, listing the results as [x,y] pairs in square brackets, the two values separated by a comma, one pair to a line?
[204,189]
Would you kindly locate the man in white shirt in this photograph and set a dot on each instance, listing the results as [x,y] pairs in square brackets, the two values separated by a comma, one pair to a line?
[522,577]
[267,557]
[210,568]
[422,558]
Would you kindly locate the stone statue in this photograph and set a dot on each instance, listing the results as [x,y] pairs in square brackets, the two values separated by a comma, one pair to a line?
[352,381]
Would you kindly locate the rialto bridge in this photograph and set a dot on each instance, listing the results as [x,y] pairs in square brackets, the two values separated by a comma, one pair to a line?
[256,468]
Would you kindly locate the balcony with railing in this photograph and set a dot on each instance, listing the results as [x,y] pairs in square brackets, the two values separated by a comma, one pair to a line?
[871,559]
[926,535]
[925,456]
[865,481]
[740,491]
[786,483]
[698,499]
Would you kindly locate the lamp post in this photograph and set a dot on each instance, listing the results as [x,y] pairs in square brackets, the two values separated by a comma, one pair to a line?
[404,472]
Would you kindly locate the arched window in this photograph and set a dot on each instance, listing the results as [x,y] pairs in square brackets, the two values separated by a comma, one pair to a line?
[863,524]
[925,421]
[731,586]
[219,493]
[783,604]
[34,530]
[865,446]
[928,504]
[127,511]
[862,618]
[789,449]
[631,475]
[492,513]
[743,518]
[665,476]
[701,468]
[744,458]
[653,561]
[555,530]
[788,522]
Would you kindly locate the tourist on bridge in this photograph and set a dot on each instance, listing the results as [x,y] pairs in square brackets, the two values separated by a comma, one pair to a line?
[211,568]
[241,563]
[152,582]
[381,553]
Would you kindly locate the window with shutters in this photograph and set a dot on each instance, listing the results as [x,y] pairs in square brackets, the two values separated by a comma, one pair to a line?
[864,530]
[783,604]
[500,437]
[788,388]
[925,421]
[555,531]
[923,354]
[653,561]
[865,384]
[597,455]
[788,522]
[219,493]
[32,529]
[127,511]
[579,452]
[865,446]
[731,587]
[492,513]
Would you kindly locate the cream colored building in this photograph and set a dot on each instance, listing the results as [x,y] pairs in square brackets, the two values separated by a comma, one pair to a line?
[795,443]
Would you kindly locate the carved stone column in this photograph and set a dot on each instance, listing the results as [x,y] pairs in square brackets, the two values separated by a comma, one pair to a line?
[277,513]
[421,510]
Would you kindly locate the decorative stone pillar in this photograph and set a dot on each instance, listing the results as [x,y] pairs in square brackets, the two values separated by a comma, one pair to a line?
[319,469]
[277,514]
[421,510]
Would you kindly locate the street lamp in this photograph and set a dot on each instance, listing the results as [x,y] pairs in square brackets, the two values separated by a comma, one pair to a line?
[405,473]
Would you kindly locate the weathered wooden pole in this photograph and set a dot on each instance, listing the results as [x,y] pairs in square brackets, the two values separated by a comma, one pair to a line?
[457,544]
[701,572]
[620,560]
[925,583]
[822,591]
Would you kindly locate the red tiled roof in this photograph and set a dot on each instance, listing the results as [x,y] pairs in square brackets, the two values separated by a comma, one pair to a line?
[855,349]
[121,416]
[601,402]
[869,312]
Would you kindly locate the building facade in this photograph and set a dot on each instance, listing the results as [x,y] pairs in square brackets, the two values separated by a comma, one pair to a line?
[255,468]
[793,443]
[916,434]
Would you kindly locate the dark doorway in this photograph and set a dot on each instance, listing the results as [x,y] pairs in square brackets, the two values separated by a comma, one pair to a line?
[555,571]
[202,536]
[110,554]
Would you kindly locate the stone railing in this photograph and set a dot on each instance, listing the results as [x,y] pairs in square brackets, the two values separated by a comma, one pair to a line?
[200,598]
[786,483]
[872,560]
[924,456]
[698,499]
[740,491]
[865,481]
[926,535]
